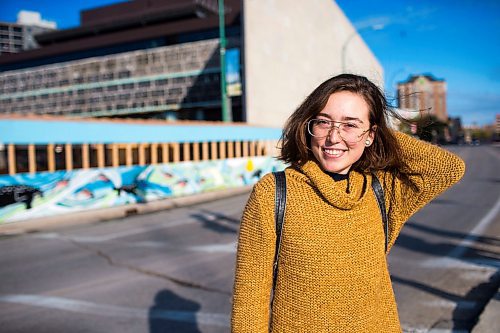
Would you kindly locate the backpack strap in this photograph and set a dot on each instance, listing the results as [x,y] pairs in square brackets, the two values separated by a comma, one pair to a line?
[379,194]
[279,216]
[280,207]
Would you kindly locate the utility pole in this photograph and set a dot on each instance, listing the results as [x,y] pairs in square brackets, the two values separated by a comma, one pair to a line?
[226,116]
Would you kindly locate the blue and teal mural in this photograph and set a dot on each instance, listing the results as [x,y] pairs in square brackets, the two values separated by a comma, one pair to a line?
[26,196]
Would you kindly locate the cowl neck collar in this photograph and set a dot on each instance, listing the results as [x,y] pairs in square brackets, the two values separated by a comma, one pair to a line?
[335,191]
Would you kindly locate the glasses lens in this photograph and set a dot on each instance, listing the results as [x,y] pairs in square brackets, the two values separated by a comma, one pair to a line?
[319,128]
[349,132]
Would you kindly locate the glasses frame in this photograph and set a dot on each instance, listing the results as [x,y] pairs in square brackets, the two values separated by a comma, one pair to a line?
[332,126]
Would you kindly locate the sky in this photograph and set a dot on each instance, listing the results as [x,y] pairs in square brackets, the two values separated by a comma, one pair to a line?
[458,41]
[454,40]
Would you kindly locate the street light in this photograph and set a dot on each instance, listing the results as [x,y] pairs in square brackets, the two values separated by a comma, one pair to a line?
[226,116]
[351,36]
[391,82]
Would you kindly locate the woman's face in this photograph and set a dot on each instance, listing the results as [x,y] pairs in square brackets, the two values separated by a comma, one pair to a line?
[333,152]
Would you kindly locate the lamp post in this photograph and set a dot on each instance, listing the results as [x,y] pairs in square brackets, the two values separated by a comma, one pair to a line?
[351,36]
[391,84]
[226,116]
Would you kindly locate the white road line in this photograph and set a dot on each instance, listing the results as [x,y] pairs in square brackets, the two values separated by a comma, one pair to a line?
[446,330]
[208,248]
[462,264]
[469,240]
[409,329]
[116,235]
[451,305]
[212,248]
[65,304]
[125,233]
[475,233]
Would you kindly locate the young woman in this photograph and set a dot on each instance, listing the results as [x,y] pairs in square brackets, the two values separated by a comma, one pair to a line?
[332,268]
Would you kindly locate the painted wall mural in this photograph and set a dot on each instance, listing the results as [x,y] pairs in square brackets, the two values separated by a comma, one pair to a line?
[26,196]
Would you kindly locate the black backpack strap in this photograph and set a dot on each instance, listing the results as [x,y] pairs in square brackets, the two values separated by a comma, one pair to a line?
[280,208]
[379,194]
[279,216]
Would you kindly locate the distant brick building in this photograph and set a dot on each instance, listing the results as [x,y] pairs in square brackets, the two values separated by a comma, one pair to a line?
[497,127]
[424,93]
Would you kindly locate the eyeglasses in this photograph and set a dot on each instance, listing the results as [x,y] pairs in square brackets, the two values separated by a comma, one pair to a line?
[350,132]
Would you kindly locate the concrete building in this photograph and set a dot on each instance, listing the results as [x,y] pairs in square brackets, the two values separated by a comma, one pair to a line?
[160,59]
[424,93]
[19,36]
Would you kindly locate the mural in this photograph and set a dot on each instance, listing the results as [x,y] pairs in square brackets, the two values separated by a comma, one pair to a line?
[26,196]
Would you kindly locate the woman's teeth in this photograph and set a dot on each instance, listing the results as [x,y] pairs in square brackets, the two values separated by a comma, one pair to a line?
[333,152]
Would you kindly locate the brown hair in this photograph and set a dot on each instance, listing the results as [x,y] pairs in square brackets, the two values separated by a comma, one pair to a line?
[383,154]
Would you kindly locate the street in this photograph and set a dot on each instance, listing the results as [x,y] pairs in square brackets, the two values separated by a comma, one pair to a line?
[172,271]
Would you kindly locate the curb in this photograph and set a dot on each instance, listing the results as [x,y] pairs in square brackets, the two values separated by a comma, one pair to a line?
[490,318]
[119,212]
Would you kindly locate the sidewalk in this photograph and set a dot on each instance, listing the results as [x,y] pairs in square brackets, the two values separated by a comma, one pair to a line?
[489,321]
[119,212]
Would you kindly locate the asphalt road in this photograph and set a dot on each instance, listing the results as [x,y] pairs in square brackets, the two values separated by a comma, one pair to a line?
[172,271]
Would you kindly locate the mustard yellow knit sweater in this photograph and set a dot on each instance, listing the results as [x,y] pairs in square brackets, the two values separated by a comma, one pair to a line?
[333,274]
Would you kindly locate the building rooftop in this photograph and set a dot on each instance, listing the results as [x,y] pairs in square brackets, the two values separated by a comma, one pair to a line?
[412,78]
[127,23]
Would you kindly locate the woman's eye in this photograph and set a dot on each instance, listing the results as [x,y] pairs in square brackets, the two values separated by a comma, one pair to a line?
[351,125]
[322,122]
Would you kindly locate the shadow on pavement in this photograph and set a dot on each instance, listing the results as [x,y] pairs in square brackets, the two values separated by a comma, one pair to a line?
[468,307]
[452,234]
[217,222]
[172,313]
[444,249]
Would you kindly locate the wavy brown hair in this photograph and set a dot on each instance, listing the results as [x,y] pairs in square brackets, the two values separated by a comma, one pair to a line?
[383,154]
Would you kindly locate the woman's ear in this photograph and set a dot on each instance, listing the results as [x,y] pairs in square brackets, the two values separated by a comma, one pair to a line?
[371,136]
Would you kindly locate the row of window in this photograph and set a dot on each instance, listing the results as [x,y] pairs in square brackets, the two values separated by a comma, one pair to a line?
[171,83]
[114,102]
[122,66]
[6,28]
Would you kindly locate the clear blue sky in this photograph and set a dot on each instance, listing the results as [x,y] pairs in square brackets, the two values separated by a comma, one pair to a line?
[458,41]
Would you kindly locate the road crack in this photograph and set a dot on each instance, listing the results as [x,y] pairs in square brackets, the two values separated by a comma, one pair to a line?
[143,271]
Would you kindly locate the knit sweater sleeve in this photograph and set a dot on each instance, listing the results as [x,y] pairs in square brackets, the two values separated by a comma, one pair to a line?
[253,276]
[431,169]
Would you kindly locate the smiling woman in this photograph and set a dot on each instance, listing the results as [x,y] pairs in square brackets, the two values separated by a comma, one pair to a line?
[332,273]
[337,147]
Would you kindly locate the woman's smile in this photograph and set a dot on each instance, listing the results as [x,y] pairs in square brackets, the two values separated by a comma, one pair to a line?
[333,152]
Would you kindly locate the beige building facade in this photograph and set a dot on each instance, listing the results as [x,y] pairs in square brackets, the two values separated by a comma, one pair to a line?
[290,47]
[165,64]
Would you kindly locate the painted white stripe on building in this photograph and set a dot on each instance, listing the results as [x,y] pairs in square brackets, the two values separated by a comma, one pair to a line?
[65,304]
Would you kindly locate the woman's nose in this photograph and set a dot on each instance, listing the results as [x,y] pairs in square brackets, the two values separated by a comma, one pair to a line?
[334,134]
